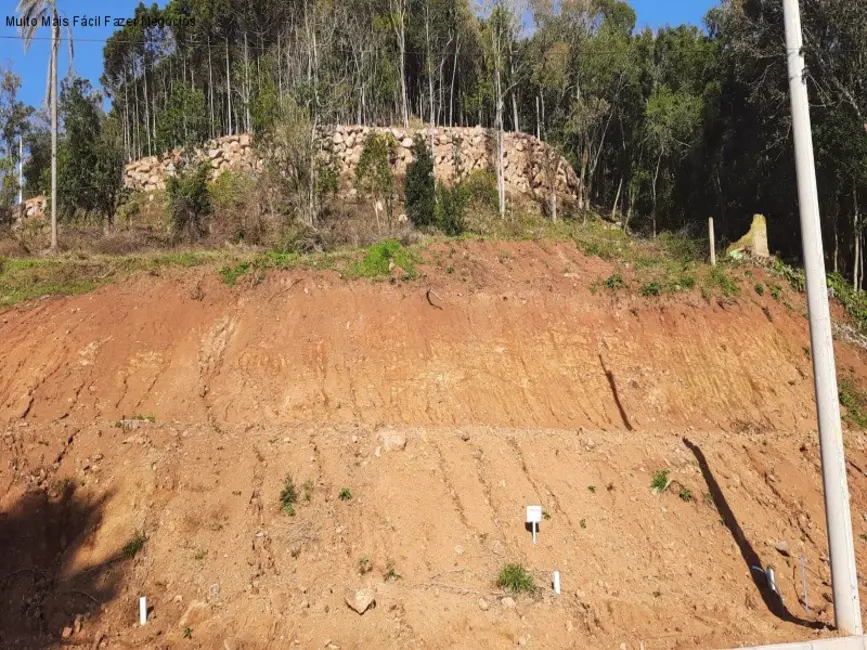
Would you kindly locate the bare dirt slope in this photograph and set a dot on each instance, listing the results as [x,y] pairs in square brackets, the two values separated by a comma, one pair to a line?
[522,387]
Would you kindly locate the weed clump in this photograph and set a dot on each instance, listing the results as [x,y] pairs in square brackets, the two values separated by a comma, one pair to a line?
[133,546]
[379,258]
[855,401]
[288,497]
[660,481]
[516,579]
[344,494]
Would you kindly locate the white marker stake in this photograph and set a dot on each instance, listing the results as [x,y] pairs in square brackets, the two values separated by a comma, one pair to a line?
[142,610]
[534,516]
[557,582]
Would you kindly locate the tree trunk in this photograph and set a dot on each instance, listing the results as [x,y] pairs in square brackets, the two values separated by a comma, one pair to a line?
[229,90]
[210,86]
[616,199]
[655,179]
[55,43]
[856,234]
[248,118]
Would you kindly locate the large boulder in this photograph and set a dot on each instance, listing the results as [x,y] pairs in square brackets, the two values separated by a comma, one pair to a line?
[754,243]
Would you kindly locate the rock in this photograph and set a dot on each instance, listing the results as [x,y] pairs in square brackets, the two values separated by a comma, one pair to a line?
[459,550]
[406,143]
[231,644]
[196,613]
[67,632]
[393,440]
[483,605]
[755,242]
[465,436]
[570,627]
[360,600]
[508,603]
[782,548]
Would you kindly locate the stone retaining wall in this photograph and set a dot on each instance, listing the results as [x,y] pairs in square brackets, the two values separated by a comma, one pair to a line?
[526,157]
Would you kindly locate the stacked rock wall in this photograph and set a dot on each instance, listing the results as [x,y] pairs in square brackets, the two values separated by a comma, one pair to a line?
[528,163]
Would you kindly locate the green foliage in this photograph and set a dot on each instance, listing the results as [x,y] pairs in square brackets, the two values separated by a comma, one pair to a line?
[855,401]
[184,120]
[419,186]
[760,288]
[379,257]
[450,207]
[308,490]
[481,188]
[189,200]
[90,157]
[685,494]
[288,497]
[230,274]
[854,303]
[719,279]
[373,175]
[651,289]
[514,578]
[136,544]
[344,494]
[660,481]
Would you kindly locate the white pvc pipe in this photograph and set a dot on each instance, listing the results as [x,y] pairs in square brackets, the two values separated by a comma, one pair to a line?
[557,582]
[142,610]
[844,579]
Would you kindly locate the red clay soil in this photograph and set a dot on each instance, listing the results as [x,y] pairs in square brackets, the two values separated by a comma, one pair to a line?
[517,386]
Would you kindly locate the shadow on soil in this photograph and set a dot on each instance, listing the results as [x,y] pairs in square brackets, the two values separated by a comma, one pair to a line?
[772,601]
[40,594]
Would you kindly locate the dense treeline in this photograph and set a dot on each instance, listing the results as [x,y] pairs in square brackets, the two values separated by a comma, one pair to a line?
[663,128]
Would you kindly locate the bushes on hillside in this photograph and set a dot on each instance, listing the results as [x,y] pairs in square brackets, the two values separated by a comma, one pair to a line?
[189,200]
[419,188]
[373,175]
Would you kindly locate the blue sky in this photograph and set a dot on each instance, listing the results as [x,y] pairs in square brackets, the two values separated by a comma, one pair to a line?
[89,41]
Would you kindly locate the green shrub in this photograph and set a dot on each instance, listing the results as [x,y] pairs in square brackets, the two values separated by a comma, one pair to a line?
[719,278]
[855,401]
[133,546]
[651,289]
[516,579]
[760,288]
[450,208]
[373,175]
[419,186]
[288,497]
[660,481]
[344,494]
[481,188]
[230,274]
[189,200]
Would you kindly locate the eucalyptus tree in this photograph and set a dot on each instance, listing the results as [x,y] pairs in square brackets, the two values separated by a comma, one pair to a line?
[32,13]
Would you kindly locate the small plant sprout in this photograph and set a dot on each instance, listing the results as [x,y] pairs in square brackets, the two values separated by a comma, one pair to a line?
[685,495]
[514,578]
[308,490]
[133,546]
[583,523]
[660,481]
[200,554]
[390,573]
[591,489]
[288,497]
[188,632]
[364,565]
[344,494]
[546,515]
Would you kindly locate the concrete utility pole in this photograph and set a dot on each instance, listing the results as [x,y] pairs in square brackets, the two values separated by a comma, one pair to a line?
[844,578]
